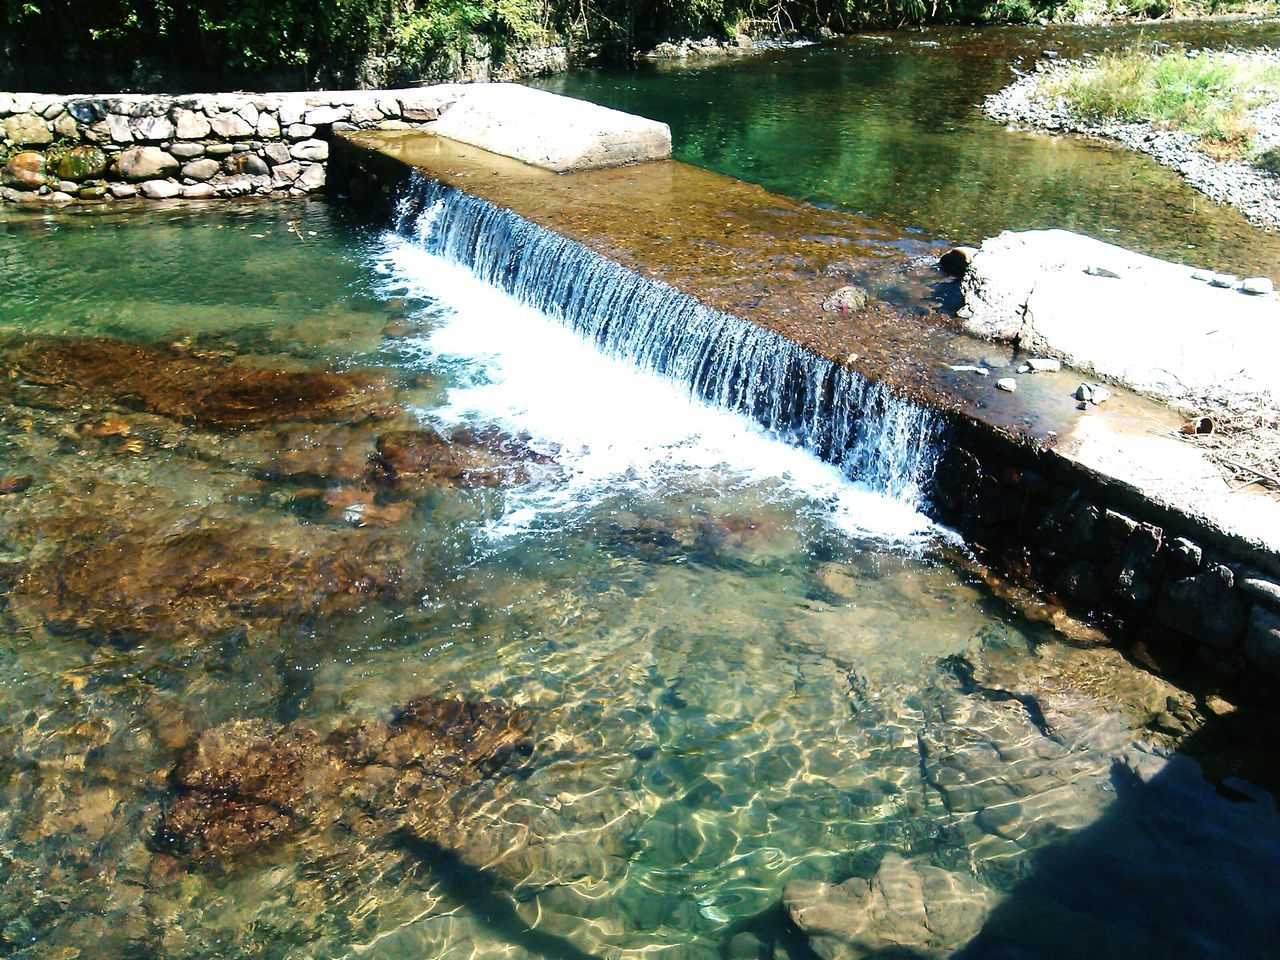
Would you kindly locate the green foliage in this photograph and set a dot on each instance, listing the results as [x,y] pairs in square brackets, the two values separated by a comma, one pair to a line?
[1206,93]
[310,42]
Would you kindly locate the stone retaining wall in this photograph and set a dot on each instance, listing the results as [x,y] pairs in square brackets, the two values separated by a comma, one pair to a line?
[1188,597]
[94,148]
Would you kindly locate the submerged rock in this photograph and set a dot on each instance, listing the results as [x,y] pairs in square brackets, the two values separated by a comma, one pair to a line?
[907,906]
[120,584]
[245,784]
[205,391]
[483,458]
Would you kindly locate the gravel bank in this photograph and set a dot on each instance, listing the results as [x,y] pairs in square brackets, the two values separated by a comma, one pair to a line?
[1255,193]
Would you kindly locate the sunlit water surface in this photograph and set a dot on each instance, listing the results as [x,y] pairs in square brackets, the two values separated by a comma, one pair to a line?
[741,670]
[890,125]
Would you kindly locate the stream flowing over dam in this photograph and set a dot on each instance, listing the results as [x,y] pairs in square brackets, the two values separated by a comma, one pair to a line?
[732,293]
[878,439]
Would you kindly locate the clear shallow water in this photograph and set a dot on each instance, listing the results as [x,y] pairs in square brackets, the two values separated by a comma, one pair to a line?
[738,670]
[890,126]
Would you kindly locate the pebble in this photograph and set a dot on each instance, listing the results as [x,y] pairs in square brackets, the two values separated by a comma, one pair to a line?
[1007,384]
[1097,270]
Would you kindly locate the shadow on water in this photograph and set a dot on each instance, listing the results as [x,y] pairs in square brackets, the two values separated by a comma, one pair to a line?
[1177,866]
[488,902]
[491,903]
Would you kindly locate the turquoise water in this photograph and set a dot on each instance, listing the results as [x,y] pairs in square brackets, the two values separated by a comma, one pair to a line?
[735,671]
[890,126]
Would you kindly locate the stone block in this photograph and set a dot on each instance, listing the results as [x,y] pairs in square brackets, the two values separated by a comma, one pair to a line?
[277,152]
[300,131]
[160,189]
[153,129]
[230,126]
[190,125]
[1262,642]
[27,129]
[268,126]
[1204,606]
[310,150]
[323,116]
[200,170]
[146,163]
[549,131]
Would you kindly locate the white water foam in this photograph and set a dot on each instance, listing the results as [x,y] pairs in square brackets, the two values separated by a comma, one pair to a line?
[613,427]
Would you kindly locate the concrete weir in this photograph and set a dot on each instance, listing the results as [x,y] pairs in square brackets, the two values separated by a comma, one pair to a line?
[1105,509]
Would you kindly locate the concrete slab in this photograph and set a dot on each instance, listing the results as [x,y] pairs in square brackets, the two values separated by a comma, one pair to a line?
[550,131]
[1161,329]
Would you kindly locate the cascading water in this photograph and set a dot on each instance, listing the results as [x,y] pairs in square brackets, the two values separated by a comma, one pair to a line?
[887,444]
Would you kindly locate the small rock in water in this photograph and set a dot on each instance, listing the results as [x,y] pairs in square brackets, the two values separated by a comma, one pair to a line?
[969,368]
[956,260]
[1101,271]
[1258,286]
[11,483]
[1007,384]
[1225,280]
[1092,393]
[848,299]
[1041,365]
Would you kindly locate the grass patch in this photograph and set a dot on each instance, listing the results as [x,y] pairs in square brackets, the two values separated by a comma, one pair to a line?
[1207,93]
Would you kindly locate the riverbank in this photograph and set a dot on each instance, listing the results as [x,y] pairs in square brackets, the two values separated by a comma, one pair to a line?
[1035,101]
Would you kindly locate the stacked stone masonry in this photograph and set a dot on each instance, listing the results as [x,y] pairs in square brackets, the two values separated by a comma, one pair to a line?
[1188,599]
[116,147]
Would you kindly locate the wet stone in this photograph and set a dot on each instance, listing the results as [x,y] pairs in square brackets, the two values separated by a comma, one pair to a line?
[246,784]
[209,392]
[120,584]
[471,458]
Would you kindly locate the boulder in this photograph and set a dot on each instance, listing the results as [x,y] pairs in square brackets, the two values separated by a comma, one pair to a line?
[268,126]
[27,129]
[212,393]
[27,170]
[277,152]
[199,191]
[146,163]
[79,163]
[186,151]
[312,178]
[910,907]
[323,116]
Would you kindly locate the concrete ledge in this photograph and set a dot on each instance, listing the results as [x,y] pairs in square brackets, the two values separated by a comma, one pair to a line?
[549,131]
[1159,328]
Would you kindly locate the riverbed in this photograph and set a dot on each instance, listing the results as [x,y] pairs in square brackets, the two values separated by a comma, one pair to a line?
[707,665]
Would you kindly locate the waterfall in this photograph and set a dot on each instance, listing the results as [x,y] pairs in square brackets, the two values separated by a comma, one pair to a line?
[883,442]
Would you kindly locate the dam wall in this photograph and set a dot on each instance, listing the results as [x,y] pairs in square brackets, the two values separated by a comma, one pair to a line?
[1109,518]
[99,148]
